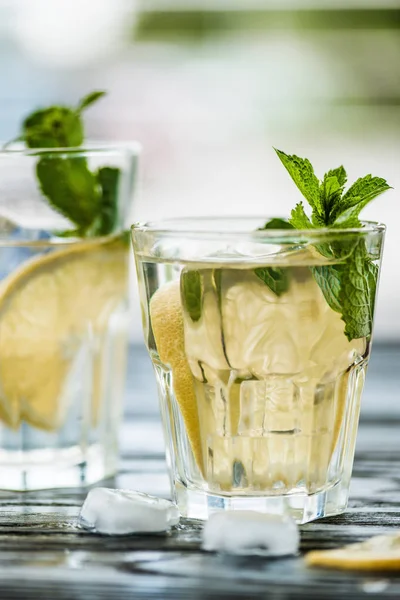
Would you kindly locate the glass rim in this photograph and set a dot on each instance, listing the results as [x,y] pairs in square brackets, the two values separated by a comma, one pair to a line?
[132,148]
[161,228]
[59,242]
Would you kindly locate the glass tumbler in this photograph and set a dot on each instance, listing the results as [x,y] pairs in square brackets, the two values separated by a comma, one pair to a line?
[64,255]
[260,343]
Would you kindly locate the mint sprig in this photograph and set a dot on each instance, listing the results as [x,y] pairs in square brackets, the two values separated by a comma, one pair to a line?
[88,199]
[349,287]
[192,293]
[330,207]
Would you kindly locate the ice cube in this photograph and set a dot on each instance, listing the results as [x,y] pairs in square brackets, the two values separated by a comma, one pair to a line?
[251,533]
[119,512]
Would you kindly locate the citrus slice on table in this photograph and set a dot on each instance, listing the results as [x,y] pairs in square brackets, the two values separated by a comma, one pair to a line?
[379,553]
[52,310]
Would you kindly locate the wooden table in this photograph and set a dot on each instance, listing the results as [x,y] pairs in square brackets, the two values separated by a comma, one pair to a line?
[44,555]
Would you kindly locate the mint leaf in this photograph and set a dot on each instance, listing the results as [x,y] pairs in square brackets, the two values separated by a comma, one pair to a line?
[331,192]
[192,293]
[372,275]
[357,294]
[275,278]
[349,289]
[71,188]
[298,218]
[57,126]
[339,173]
[54,127]
[364,190]
[302,173]
[108,179]
[90,99]
[356,198]
[328,277]
[349,218]
[276,224]
[217,284]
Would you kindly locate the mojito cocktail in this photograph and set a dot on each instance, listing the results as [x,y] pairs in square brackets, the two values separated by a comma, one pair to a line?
[260,386]
[64,318]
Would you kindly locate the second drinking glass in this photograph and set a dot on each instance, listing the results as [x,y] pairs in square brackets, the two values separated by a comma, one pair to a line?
[64,257]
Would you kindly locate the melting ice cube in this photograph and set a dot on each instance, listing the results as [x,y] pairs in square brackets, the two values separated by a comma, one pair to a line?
[118,512]
[250,532]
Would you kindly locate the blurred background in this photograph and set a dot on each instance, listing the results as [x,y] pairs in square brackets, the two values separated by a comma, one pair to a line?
[209,87]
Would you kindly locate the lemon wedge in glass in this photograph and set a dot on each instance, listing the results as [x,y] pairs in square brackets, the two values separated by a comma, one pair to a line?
[167,324]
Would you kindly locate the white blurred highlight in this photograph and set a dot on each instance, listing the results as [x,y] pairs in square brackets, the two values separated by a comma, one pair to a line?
[72,33]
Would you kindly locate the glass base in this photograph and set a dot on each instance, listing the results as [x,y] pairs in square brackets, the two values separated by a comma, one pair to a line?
[57,468]
[199,504]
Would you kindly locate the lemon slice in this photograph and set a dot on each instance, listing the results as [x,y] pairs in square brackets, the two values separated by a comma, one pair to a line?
[52,309]
[379,553]
[167,324]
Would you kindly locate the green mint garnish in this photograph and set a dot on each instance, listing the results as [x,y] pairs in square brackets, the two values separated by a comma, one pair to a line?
[349,287]
[71,189]
[276,224]
[330,207]
[192,293]
[275,278]
[329,280]
[88,199]
[357,293]
[57,126]
[108,178]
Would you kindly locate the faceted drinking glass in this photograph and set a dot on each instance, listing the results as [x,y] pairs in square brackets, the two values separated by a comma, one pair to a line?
[260,341]
[64,255]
